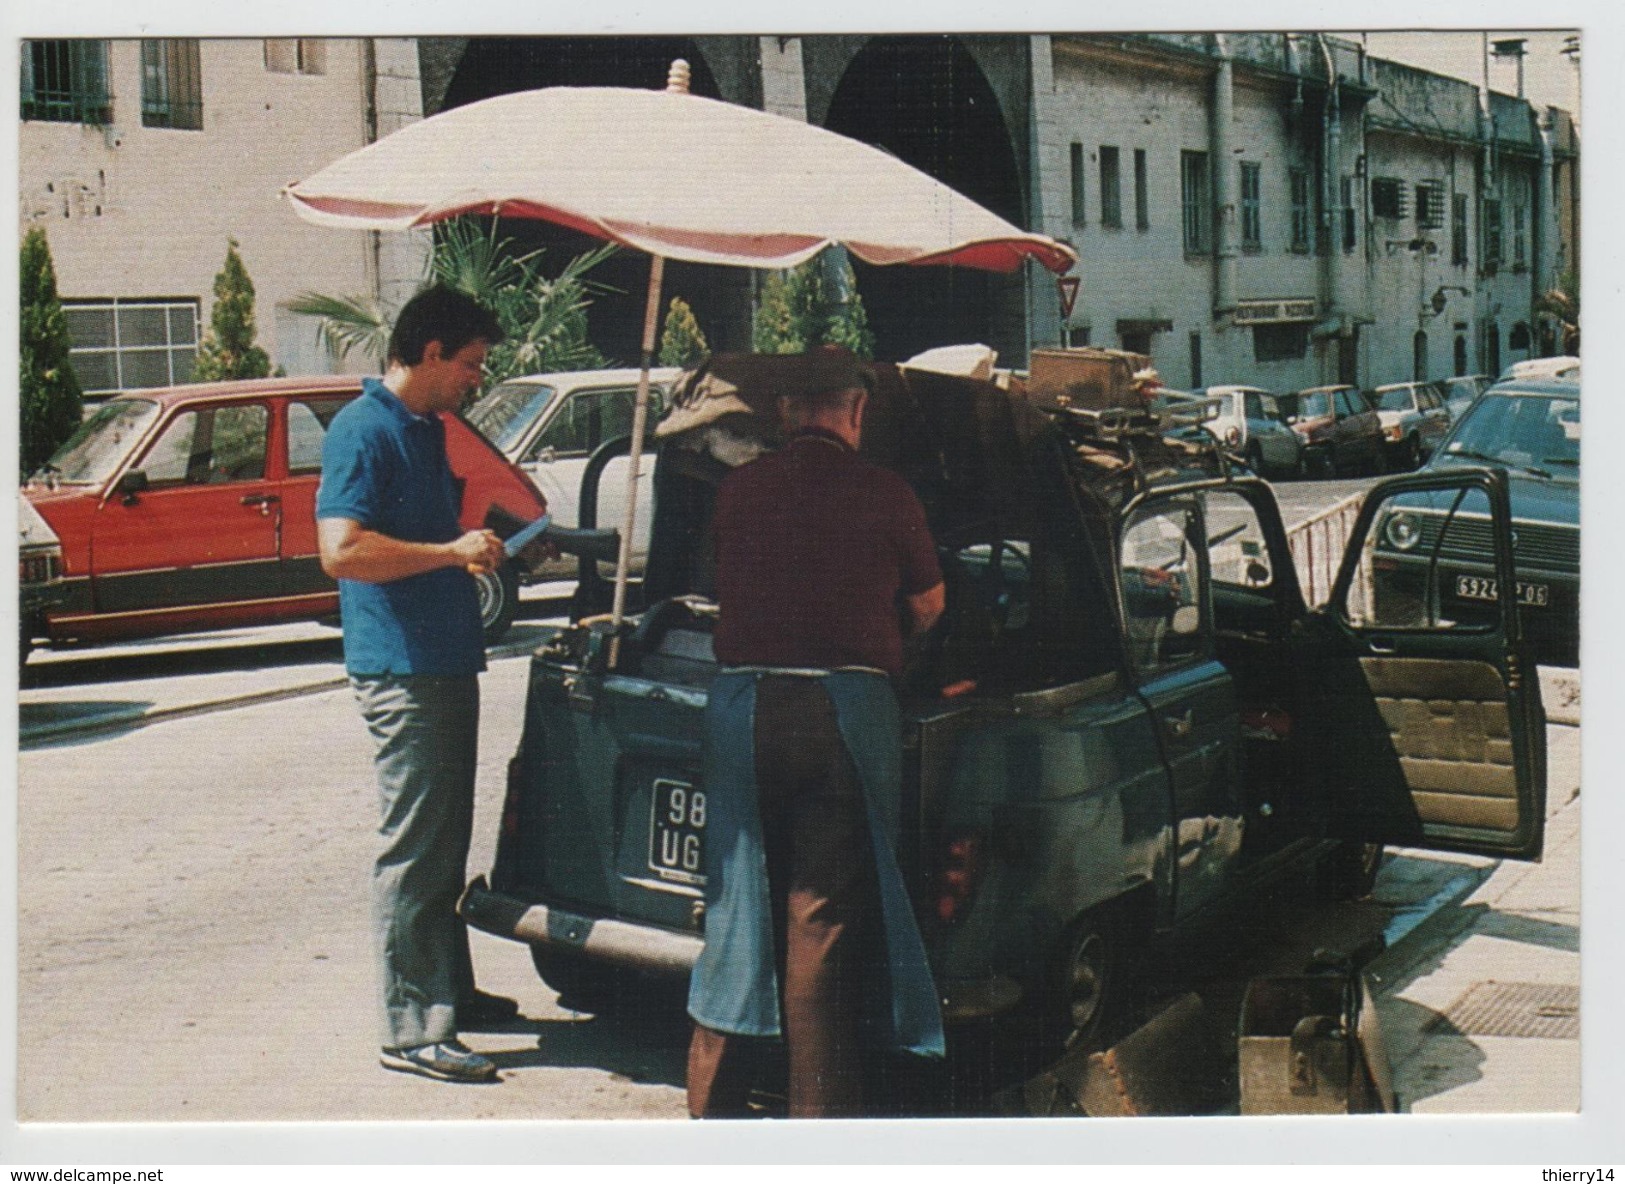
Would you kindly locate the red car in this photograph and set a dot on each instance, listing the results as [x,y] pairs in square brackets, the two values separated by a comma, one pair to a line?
[1340,430]
[193,508]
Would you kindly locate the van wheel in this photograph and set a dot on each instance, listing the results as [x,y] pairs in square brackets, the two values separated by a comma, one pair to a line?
[1255,459]
[1348,871]
[582,984]
[1090,986]
[1328,463]
[499,601]
[1413,454]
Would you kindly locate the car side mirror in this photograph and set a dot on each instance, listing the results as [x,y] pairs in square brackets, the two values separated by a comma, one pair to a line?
[130,484]
[547,455]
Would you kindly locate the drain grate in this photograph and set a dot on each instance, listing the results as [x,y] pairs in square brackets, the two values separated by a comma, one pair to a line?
[1547,1010]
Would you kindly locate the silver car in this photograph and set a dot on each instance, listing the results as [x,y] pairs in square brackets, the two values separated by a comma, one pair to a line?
[551,424]
[1414,419]
[1248,422]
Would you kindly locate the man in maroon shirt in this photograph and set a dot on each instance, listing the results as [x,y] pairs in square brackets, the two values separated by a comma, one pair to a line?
[824,560]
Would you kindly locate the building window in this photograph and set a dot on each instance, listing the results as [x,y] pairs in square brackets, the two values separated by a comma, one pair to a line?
[171,84]
[1142,200]
[1419,357]
[1197,206]
[1251,235]
[1491,254]
[1111,188]
[1387,197]
[1519,243]
[1077,184]
[1196,360]
[1461,355]
[1345,194]
[1286,342]
[1429,205]
[295,55]
[1458,229]
[127,344]
[1298,179]
[1493,334]
[66,82]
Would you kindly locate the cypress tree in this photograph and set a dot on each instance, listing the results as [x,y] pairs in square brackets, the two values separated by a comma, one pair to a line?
[51,401]
[681,341]
[228,349]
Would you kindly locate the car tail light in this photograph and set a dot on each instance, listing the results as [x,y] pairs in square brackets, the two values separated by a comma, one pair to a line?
[958,876]
[1394,432]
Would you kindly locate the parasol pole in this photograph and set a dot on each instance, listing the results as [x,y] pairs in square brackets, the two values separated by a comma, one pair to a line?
[676,83]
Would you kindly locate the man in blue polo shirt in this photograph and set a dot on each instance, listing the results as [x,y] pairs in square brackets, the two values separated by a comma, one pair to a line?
[387,522]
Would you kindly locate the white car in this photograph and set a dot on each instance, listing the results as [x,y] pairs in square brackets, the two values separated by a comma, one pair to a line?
[551,424]
[1564,368]
[1414,420]
[1248,422]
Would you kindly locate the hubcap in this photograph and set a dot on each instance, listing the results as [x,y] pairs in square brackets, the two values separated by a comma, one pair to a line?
[489,587]
[1087,982]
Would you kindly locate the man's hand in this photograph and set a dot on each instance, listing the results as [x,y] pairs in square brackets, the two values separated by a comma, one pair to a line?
[479,551]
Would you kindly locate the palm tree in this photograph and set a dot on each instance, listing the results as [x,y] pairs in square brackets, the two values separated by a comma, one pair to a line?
[544,319]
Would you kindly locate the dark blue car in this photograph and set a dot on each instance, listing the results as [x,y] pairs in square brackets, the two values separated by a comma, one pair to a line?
[1436,546]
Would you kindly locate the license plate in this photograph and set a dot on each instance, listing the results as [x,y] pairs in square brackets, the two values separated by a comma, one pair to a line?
[1485,588]
[677,832]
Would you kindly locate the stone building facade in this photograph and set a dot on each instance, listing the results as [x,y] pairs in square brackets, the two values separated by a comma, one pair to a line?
[1279,208]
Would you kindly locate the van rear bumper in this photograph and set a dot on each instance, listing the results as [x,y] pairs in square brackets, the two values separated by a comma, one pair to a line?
[657,950]
[624,943]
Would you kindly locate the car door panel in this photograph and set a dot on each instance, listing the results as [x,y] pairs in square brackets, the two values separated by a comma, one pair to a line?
[1429,712]
[205,532]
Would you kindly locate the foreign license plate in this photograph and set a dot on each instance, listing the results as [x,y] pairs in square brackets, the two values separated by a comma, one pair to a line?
[1486,588]
[677,832]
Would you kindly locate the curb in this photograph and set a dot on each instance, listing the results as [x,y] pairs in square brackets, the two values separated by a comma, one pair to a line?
[130,720]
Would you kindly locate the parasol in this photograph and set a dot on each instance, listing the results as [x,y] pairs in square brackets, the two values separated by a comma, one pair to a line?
[672,174]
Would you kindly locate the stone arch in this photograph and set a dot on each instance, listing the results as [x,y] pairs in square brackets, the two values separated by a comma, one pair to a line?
[930,102]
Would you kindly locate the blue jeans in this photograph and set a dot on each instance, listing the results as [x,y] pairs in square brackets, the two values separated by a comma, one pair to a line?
[426,729]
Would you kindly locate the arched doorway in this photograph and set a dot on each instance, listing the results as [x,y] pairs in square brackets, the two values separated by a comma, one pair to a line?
[927,102]
[719,296]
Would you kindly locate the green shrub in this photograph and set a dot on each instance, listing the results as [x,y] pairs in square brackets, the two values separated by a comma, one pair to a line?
[51,403]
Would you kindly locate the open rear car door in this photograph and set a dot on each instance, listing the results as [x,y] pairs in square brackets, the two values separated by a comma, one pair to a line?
[1434,735]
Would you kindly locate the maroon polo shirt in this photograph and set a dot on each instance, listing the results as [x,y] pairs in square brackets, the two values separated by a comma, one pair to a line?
[815,547]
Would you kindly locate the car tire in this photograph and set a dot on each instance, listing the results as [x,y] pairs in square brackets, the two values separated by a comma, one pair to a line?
[1328,463]
[582,984]
[1090,989]
[1379,461]
[1348,871]
[1255,459]
[499,601]
[1412,458]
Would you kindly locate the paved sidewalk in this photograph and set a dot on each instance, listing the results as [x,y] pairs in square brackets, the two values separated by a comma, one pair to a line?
[1480,1004]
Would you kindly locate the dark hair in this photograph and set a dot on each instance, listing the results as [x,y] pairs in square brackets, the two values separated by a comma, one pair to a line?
[440,314]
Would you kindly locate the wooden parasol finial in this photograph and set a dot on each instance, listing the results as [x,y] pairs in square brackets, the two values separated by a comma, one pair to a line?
[677,79]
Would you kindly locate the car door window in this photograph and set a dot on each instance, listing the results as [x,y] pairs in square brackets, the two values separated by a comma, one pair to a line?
[1254,405]
[308,420]
[1160,577]
[1237,552]
[587,419]
[1271,409]
[1344,404]
[1428,564]
[210,446]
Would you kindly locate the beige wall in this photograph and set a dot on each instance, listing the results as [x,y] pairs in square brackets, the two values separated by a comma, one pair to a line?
[134,212]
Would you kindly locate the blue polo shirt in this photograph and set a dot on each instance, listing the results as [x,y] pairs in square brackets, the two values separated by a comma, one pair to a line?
[386,468]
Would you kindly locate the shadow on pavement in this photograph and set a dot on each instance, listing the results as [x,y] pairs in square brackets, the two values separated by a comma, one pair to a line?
[642,1038]
[1443,1058]
[105,715]
[106,666]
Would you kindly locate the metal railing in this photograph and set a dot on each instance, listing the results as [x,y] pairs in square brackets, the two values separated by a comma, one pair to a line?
[1317,546]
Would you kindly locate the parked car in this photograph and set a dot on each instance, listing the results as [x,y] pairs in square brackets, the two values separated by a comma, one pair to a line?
[1339,429]
[1440,549]
[551,424]
[1414,419]
[39,574]
[1126,715]
[193,508]
[1249,423]
[1564,368]
[1460,391]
